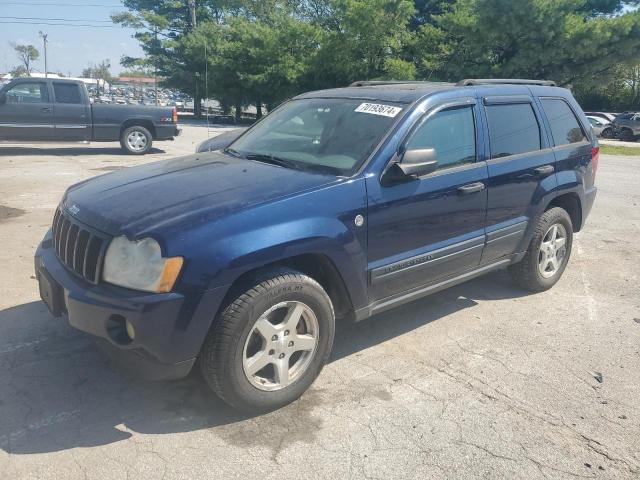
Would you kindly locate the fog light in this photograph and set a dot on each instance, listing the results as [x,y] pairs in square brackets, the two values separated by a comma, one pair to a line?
[130,330]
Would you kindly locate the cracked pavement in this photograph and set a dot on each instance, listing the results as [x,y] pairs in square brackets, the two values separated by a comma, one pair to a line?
[482,380]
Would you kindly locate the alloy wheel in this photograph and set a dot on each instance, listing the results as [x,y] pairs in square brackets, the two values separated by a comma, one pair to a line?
[136,141]
[553,250]
[280,346]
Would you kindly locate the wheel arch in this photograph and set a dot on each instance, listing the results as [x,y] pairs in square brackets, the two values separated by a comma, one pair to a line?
[315,265]
[571,203]
[139,122]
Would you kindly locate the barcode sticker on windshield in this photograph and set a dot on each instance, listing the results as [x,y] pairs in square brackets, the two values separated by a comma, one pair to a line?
[378,109]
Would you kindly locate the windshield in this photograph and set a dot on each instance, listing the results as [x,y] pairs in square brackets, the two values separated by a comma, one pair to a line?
[325,135]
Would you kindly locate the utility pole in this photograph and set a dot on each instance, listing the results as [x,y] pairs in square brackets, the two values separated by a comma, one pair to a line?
[155,73]
[192,11]
[197,111]
[45,41]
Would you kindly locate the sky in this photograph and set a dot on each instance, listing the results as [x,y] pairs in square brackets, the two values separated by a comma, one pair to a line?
[70,48]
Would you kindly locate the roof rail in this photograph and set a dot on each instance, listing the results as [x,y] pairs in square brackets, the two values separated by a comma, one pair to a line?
[504,81]
[370,83]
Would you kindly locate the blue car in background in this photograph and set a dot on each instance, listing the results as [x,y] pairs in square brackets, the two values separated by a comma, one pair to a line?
[338,205]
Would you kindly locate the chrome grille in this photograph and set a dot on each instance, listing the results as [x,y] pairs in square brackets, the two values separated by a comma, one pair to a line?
[78,248]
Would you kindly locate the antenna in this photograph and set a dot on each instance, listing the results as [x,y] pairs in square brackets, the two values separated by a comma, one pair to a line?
[206,85]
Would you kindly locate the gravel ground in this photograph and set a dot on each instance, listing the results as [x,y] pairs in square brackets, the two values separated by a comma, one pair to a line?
[483,380]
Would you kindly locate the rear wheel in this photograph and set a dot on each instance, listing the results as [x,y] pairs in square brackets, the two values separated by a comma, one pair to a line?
[269,345]
[548,253]
[136,140]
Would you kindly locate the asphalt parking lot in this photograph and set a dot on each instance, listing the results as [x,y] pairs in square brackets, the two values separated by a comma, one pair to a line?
[483,380]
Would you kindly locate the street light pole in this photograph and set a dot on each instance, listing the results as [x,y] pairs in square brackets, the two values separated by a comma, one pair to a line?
[192,11]
[45,41]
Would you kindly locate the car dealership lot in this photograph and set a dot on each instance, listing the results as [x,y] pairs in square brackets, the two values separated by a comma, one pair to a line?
[482,380]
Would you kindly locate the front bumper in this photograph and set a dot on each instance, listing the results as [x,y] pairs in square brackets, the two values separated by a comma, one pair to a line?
[169,327]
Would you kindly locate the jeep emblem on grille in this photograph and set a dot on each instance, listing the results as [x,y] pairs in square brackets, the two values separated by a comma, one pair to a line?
[74,209]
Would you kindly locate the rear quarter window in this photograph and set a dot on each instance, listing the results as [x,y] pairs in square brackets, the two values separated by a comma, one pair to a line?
[565,127]
[513,129]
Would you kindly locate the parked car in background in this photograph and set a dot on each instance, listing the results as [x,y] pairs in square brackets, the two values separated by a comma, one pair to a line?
[609,117]
[54,110]
[601,127]
[626,126]
[338,205]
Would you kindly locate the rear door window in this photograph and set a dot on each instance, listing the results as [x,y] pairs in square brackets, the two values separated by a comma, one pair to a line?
[67,93]
[565,127]
[513,129]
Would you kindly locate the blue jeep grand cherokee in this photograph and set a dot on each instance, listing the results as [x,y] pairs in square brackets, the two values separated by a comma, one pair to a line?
[339,204]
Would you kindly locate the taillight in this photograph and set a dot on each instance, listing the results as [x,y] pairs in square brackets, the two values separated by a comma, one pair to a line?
[174,115]
[595,157]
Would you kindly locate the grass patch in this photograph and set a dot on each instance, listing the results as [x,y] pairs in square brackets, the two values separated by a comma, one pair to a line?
[619,150]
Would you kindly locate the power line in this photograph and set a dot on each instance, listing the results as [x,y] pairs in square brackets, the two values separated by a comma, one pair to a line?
[59,19]
[60,24]
[29,4]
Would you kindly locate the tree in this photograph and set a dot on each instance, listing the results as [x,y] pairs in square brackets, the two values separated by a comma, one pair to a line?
[99,72]
[19,71]
[251,61]
[27,54]
[363,39]
[161,26]
[564,40]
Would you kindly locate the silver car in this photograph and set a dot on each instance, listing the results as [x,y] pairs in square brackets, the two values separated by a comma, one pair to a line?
[601,127]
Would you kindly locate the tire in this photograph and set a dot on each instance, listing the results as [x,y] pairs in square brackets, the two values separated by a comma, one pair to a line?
[528,273]
[136,140]
[626,135]
[246,330]
[607,133]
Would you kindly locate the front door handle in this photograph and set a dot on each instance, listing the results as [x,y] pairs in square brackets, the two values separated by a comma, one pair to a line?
[46,110]
[544,170]
[471,188]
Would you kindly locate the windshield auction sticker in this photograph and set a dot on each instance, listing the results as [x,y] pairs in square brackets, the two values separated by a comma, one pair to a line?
[378,109]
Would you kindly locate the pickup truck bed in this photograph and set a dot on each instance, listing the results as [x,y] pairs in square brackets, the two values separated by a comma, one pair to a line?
[55,110]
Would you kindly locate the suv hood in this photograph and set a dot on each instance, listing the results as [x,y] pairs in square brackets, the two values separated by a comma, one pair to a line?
[196,188]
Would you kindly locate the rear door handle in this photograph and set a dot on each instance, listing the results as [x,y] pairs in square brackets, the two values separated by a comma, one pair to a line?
[46,110]
[544,170]
[471,188]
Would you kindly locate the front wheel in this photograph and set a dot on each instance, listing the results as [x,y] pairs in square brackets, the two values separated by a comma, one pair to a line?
[268,346]
[136,140]
[548,253]
[626,135]
[607,133]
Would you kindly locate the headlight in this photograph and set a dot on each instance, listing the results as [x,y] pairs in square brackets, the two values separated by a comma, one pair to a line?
[140,265]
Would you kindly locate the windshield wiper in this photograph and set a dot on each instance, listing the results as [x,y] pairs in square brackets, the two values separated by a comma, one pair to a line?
[263,157]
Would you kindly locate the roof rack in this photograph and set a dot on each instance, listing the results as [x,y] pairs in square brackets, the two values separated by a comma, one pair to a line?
[504,81]
[371,83]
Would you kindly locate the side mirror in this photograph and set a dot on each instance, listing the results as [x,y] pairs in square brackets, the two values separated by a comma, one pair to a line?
[418,162]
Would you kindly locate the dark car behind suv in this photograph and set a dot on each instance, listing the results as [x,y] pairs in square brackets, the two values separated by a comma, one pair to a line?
[339,204]
[626,126]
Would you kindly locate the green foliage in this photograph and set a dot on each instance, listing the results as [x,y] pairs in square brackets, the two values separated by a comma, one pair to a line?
[27,54]
[263,51]
[100,71]
[553,39]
